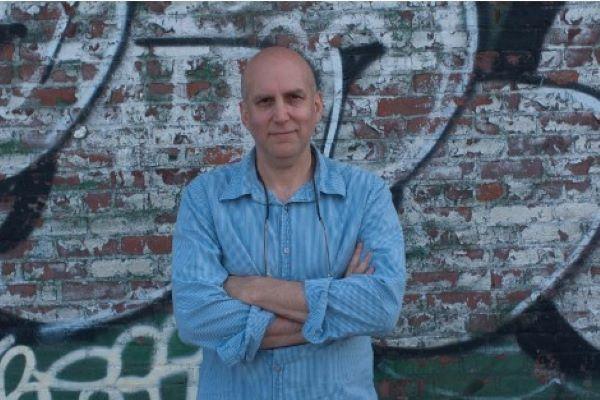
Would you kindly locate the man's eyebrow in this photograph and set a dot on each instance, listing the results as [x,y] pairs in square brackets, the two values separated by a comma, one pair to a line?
[261,96]
[298,91]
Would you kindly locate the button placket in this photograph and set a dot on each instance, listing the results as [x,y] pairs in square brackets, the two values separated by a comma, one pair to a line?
[285,240]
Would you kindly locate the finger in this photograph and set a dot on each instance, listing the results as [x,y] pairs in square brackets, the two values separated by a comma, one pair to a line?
[354,261]
[364,265]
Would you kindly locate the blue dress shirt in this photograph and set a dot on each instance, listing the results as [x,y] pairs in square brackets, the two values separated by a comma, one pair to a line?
[219,232]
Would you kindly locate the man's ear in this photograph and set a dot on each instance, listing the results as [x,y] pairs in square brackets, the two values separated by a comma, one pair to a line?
[244,113]
[319,105]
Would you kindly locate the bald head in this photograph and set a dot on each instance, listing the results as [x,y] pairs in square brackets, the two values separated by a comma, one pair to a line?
[276,54]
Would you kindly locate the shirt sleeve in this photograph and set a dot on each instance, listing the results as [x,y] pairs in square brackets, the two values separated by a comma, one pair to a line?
[362,304]
[205,314]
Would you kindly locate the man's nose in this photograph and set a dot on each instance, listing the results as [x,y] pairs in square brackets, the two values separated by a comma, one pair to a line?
[280,112]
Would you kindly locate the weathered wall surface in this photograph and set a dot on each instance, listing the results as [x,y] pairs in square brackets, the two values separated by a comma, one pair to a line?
[483,119]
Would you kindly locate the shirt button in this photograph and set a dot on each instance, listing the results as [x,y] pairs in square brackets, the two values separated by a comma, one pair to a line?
[286,250]
[276,367]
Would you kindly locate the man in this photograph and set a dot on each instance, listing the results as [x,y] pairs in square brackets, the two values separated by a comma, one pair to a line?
[271,273]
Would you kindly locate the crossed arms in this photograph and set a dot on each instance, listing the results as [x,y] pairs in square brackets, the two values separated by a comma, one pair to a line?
[286,300]
[235,316]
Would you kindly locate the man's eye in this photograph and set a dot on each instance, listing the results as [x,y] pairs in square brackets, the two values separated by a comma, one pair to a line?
[265,101]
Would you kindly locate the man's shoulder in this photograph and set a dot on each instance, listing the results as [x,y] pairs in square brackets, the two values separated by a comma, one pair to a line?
[213,181]
[355,178]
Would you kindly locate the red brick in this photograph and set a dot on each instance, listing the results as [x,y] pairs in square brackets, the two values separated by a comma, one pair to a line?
[563,77]
[6,74]
[465,212]
[166,218]
[117,96]
[514,297]
[96,28]
[531,168]
[159,244]
[473,103]
[404,106]
[51,97]
[139,180]
[8,269]
[48,12]
[73,291]
[426,83]
[580,186]
[26,71]
[160,88]
[88,71]
[221,155]
[336,40]
[496,280]
[79,251]
[456,193]
[426,125]
[59,75]
[54,271]
[176,176]
[433,277]
[417,320]
[475,254]
[157,7]
[193,88]
[99,159]
[578,57]
[22,289]
[486,61]
[97,201]
[7,51]
[490,191]
[502,253]
[584,36]
[71,29]
[132,245]
[154,68]
[71,180]
[582,167]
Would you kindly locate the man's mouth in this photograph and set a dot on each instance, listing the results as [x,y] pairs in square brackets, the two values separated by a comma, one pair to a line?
[283,133]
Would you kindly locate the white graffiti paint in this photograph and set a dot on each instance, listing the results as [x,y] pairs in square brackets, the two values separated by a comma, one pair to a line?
[54,52]
[113,383]
[580,212]
[337,98]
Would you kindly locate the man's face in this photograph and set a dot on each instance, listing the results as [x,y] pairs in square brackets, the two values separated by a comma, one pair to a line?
[281,106]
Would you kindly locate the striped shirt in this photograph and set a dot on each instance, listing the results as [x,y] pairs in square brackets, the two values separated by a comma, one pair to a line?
[220,232]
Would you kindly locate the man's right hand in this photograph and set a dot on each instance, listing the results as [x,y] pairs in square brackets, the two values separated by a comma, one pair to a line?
[356,266]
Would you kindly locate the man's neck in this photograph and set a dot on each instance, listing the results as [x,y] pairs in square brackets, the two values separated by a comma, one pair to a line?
[284,178]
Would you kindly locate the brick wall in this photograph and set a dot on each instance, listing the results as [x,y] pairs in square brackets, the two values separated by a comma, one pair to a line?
[482,118]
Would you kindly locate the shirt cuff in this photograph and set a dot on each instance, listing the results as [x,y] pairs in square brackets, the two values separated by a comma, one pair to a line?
[316,294]
[245,345]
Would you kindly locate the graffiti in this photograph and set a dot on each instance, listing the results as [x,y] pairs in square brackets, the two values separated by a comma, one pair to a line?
[114,382]
[30,187]
[440,107]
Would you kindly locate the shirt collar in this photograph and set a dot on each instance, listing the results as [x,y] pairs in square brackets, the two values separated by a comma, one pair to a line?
[244,179]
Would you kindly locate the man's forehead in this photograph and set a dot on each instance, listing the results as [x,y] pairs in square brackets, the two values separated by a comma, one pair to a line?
[277,56]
